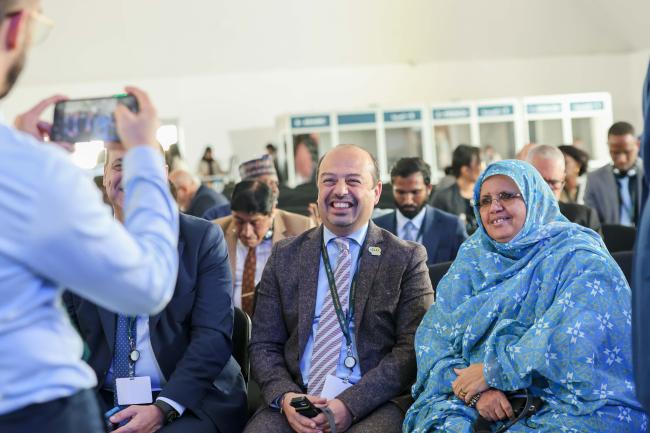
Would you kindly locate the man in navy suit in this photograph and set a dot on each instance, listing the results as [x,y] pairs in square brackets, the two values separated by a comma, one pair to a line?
[185,350]
[440,232]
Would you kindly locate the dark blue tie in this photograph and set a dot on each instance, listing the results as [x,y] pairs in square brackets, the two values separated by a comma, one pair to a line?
[122,349]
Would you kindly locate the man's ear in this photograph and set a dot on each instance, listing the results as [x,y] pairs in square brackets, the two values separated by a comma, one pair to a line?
[16,21]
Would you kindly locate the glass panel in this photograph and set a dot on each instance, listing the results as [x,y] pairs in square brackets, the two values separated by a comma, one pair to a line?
[547,131]
[447,137]
[307,148]
[401,143]
[590,135]
[365,139]
[499,135]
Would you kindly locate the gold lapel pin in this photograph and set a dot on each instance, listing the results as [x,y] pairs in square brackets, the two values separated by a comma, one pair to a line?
[375,251]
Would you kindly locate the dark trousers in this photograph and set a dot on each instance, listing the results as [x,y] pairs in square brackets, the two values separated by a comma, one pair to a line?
[189,422]
[77,413]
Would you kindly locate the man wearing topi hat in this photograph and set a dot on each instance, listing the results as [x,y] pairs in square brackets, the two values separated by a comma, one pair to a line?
[254,226]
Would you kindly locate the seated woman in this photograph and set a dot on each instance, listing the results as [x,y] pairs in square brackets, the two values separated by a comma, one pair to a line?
[532,302]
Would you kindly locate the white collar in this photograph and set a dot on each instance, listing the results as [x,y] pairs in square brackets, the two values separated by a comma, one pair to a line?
[358,236]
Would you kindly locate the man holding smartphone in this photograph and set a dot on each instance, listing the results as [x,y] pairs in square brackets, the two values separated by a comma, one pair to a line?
[55,233]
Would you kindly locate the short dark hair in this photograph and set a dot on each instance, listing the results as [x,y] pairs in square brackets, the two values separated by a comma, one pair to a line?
[375,165]
[252,196]
[408,166]
[581,157]
[621,128]
[463,156]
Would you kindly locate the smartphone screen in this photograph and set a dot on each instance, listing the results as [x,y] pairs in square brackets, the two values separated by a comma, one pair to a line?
[78,120]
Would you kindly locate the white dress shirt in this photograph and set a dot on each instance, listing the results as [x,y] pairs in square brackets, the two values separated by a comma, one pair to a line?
[262,254]
[417,222]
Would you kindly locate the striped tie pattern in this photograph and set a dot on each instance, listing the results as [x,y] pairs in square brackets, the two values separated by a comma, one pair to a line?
[327,343]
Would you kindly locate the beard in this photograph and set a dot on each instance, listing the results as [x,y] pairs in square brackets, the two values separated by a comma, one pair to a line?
[14,73]
[409,211]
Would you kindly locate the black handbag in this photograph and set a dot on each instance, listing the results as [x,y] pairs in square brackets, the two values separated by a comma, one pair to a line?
[523,405]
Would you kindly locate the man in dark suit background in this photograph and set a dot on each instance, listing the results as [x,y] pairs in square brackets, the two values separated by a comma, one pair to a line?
[549,162]
[185,349]
[361,364]
[440,232]
[616,190]
[192,197]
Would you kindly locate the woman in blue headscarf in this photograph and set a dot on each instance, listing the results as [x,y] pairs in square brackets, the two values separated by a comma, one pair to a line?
[532,302]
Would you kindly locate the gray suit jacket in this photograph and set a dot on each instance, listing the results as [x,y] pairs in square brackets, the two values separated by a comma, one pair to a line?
[602,193]
[393,293]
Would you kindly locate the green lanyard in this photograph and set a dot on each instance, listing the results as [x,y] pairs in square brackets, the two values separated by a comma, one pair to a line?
[344,322]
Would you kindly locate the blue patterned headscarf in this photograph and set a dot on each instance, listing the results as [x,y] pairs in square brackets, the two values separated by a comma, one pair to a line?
[543,217]
[548,311]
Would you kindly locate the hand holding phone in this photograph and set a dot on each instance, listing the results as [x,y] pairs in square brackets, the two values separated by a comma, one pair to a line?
[136,129]
[304,407]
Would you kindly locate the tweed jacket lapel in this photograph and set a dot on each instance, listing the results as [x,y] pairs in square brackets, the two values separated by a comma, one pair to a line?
[231,241]
[308,267]
[367,269]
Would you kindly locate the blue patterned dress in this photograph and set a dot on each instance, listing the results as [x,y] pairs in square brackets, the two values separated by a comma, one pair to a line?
[548,311]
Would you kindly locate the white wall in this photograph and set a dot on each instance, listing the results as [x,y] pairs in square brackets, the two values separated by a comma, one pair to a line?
[222,108]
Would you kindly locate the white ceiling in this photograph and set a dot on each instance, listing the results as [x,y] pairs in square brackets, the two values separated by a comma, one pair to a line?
[96,40]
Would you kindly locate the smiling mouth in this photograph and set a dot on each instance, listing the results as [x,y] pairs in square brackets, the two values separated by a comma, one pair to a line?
[499,221]
[341,205]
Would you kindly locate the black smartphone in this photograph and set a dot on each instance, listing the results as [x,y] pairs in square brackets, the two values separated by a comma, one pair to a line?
[304,407]
[78,120]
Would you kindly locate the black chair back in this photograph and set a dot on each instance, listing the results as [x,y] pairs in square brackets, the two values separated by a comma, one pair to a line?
[241,336]
[624,260]
[618,237]
[436,272]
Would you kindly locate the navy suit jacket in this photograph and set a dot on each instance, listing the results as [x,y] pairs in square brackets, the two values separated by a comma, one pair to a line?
[641,275]
[204,199]
[442,233]
[191,337]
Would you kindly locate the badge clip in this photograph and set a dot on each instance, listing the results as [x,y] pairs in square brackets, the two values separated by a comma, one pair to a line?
[375,251]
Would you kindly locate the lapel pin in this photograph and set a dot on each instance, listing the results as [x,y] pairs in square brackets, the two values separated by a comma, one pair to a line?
[375,251]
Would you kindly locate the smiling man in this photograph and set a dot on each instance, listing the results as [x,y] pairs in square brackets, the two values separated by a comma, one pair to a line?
[337,310]
[184,353]
[254,226]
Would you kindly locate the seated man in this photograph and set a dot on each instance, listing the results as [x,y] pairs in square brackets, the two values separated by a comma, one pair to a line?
[336,312]
[254,226]
[185,350]
[440,232]
[192,197]
[549,162]
[262,169]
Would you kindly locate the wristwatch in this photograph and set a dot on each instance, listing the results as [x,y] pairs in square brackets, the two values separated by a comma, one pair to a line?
[169,413]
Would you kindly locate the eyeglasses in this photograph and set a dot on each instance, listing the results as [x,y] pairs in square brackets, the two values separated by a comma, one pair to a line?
[502,198]
[41,25]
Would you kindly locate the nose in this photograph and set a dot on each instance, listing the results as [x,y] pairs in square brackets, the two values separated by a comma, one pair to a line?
[341,188]
[408,199]
[246,229]
[495,205]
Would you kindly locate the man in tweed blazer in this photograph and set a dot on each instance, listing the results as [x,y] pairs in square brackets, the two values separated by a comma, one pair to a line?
[393,291]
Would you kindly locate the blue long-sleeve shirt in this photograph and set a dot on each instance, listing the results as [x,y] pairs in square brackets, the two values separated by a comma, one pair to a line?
[54,233]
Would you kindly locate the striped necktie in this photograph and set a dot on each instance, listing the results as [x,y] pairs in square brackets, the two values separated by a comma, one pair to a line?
[410,231]
[327,343]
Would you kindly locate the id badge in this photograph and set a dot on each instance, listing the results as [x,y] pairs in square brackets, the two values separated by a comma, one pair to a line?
[133,390]
[333,387]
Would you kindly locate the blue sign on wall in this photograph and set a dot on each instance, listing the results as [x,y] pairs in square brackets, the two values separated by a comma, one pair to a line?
[587,106]
[495,110]
[356,118]
[451,113]
[402,116]
[310,121]
[544,108]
